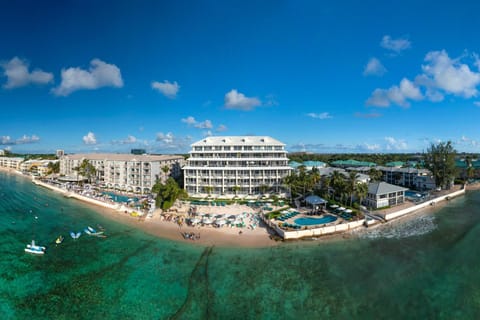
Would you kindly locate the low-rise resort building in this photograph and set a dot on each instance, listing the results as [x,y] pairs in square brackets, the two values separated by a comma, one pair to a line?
[129,172]
[382,194]
[236,165]
[11,162]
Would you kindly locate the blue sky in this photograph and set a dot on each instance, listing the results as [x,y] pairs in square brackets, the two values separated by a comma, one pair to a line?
[320,76]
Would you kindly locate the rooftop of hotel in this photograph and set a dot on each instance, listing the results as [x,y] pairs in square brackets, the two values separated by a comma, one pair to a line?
[121,157]
[383,188]
[238,140]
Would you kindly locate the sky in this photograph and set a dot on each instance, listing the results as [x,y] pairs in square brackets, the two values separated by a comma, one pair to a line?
[320,76]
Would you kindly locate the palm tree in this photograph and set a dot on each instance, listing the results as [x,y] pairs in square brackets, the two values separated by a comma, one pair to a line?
[338,183]
[361,191]
[263,188]
[208,189]
[375,175]
[87,170]
[236,189]
[326,182]
[352,184]
[165,170]
[291,182]
[315,176]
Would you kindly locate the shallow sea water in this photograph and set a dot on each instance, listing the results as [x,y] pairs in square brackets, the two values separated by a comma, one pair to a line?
[430,273]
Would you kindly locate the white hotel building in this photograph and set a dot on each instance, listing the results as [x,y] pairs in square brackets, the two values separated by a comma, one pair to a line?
[129,172]
[236,165]
[11,162]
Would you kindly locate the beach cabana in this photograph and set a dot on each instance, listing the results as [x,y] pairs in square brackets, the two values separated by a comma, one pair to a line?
[315,200]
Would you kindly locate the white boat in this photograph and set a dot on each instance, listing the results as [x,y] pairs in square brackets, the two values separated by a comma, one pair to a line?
[33,248]
[75,235]
[92,232]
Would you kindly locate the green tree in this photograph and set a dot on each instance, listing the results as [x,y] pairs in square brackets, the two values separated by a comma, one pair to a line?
[53,167]
[167,193]
[338,184]
[263,188]
[375,175]
[351,185]
[315,176]
[87,170]
[440,160]
[361,191]
[236,189]
[325,186]
[165,170]
[208,189]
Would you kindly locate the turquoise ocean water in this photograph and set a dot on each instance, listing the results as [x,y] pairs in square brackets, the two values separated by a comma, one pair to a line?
[425,268]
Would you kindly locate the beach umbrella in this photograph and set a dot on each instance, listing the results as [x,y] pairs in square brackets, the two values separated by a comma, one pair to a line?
[207,221]
[232,217]
[348,211]
[334,206]
[195,220]
[220,222]
[341,208]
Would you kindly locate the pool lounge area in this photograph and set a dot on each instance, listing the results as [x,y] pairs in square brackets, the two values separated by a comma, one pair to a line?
[309,221]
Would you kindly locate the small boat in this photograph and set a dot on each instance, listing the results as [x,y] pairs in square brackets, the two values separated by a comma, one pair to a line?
[92,232]
[33,248]
[59,239]
[75,235]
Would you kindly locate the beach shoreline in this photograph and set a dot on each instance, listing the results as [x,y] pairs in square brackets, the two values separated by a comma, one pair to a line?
[209,236]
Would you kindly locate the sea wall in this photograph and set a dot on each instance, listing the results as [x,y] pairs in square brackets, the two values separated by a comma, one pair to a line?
[315,232]
[431,202]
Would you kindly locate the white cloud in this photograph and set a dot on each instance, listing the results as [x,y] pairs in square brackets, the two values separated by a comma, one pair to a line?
[167,88]
[189,120]
[398,95]
[100,74]
[129,140]
[396,45]
[90,138]
[368,147]
[222,128]
[207,124]
[165,138]
[322,116]
[7,140]
[476,103]
[4,140]
[16,71]
[395,144]
[237,100]
[374,68]
[441,76]
[465,141]
[170,143]
[449,75]
[207,133]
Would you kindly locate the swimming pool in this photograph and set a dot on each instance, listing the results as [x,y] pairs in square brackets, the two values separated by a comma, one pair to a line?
[413,194]
[119,198]
[307,221]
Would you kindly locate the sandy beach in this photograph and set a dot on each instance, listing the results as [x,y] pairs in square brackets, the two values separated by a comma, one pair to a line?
[225,236]
[222,237]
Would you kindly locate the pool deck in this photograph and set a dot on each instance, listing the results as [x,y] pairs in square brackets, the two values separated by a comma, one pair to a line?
[304,213]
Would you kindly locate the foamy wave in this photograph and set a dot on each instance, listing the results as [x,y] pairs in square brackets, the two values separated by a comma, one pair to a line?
[402,229]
